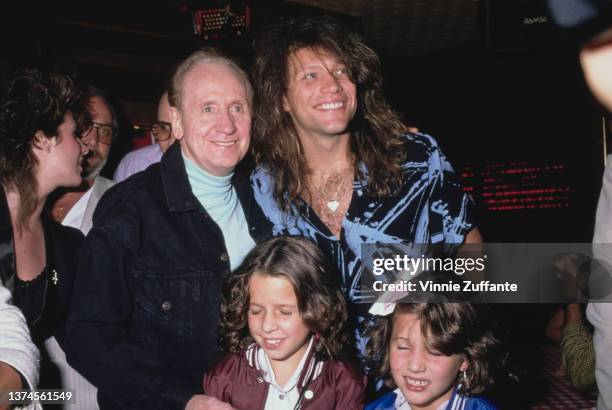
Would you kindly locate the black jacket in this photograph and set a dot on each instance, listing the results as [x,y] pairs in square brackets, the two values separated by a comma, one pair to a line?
[62,244]
[143,327]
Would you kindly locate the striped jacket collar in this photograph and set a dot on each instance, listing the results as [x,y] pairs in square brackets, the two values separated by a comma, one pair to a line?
[456,402]
[311,370]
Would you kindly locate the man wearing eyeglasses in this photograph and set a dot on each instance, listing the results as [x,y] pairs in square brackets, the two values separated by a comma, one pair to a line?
[140,159]
[75,207]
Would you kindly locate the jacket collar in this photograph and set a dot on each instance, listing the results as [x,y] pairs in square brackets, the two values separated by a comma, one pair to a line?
[177,190]
[99,187]
[311,370]
[457,401]
[176,187]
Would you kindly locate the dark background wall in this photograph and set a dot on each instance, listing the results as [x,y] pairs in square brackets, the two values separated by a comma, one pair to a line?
[505,98]
[528,108]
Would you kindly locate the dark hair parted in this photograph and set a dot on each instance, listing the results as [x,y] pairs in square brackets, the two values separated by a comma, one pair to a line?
[33,101]
[449,328]
[315,282]
[376,129]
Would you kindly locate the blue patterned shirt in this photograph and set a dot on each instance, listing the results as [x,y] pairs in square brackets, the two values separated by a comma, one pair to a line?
[431,207]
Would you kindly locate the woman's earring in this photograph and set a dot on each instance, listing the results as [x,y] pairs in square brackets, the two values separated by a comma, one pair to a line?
[463,382]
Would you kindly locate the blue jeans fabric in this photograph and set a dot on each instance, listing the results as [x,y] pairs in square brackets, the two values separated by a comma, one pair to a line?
[144,320]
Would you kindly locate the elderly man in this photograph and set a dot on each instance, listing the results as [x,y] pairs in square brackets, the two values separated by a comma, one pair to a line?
[144,321]
[140,159]
[76,207]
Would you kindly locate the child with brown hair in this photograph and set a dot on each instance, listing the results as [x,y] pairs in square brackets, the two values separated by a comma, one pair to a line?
[437,355]
[283,321]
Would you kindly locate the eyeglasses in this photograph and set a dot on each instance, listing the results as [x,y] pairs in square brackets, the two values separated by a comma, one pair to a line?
[104,133]
[161,130]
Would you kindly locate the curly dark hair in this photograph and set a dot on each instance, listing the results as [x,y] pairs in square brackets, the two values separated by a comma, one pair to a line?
[316,285]
[450,328]
[376,130]
[33,101]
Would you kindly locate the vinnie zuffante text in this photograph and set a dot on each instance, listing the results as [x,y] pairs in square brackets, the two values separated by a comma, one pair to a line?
[403,264]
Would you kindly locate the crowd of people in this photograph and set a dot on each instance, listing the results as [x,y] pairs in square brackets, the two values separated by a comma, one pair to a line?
[201,279]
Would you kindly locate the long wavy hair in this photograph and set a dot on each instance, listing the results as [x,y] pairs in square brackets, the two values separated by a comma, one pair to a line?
[449,328]
[33,101]
[321,303]
[376,129]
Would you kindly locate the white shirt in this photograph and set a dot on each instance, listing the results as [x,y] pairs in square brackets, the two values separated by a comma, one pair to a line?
[281,397]
[16,347]
[80,215]
[600,314]
[138,160]
[74,217]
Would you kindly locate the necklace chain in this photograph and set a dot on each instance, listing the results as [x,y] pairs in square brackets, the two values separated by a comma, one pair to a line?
[331,188]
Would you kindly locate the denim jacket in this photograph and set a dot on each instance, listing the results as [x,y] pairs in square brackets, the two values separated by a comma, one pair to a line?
[143,326]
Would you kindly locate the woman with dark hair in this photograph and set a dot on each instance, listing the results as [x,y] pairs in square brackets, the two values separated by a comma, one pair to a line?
[41,118]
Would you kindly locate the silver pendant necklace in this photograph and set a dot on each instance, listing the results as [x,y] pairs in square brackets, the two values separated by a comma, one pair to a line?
[333,203]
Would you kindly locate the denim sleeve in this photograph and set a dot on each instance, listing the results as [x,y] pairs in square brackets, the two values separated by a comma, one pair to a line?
[97,342]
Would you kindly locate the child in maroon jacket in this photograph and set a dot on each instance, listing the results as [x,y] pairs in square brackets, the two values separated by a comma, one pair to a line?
[282,320]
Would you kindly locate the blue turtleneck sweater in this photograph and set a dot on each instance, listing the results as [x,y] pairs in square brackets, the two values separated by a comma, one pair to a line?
[219,199]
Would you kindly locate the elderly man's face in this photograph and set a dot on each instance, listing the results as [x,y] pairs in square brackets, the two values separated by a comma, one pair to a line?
[97,138]
[214,122]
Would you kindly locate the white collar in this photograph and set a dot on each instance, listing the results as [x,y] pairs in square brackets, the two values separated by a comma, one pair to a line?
[268,373]
[75,215]
[402,404]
